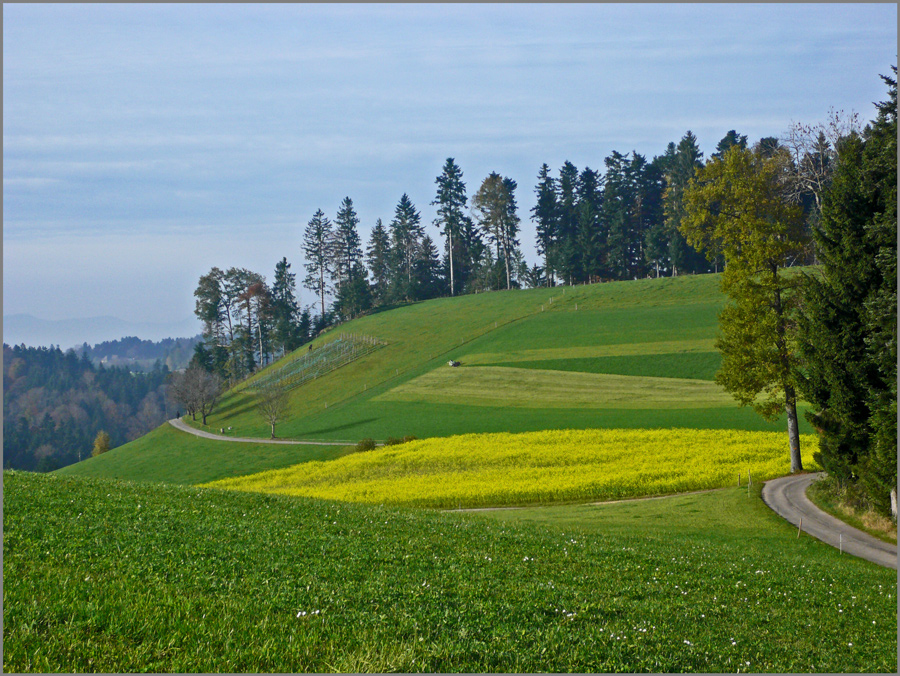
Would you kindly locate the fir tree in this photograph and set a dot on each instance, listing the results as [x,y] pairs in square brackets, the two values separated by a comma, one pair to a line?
[378,257]
[316,248]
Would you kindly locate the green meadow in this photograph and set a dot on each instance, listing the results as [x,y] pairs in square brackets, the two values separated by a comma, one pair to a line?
[112,576]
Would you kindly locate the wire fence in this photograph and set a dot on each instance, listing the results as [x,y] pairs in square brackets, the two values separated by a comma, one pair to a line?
[346,348]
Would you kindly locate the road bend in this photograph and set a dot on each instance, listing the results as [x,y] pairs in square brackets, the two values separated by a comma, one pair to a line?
[787,498]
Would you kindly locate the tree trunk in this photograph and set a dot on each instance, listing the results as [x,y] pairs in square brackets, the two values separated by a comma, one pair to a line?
[790,407]
[273,430]
[450,252]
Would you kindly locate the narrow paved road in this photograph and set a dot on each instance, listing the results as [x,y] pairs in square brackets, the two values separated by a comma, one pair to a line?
[179,424]
[787,498]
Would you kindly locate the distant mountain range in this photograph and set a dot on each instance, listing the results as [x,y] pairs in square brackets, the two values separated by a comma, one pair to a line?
[66,333]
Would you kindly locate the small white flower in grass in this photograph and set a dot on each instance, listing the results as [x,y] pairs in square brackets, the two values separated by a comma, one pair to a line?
[688,642]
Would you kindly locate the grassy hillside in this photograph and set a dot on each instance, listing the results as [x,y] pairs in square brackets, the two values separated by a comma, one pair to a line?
[102,575]
[172,456]
[527,355]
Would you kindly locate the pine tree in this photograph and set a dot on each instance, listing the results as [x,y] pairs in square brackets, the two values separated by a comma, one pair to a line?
[451,202]
[545,216]
[316,248]
[406,237]
[345,245]
[732,138]
[378,257]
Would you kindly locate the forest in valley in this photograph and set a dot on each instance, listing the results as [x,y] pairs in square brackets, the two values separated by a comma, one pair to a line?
[55,404]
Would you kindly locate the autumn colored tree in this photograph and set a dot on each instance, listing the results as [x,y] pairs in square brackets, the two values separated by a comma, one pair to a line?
[101,443]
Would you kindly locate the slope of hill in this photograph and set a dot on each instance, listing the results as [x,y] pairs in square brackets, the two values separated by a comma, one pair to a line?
[567,357]
[633,354]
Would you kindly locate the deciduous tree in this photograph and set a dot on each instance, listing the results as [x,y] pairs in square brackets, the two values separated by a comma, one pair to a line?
[740,206]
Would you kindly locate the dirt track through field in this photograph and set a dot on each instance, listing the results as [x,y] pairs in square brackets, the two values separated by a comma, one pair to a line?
[179,424]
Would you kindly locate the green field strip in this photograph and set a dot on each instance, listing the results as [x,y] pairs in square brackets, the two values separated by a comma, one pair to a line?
[588,351]
[501,386]
[691,365]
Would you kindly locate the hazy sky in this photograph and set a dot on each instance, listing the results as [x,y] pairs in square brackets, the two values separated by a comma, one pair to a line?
[144,144]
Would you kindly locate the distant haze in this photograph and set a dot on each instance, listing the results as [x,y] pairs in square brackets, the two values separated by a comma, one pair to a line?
[144,144]
[66,333]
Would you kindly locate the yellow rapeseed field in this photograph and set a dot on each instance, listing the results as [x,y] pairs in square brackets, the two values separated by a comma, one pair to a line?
[474,470]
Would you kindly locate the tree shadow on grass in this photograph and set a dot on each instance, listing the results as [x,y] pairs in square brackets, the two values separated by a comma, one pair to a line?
[338,428]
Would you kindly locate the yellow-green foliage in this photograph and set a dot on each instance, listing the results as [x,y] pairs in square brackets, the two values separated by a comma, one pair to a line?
[557,465]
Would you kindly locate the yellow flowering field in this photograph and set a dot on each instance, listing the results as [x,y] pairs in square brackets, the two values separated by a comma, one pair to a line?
[473,470]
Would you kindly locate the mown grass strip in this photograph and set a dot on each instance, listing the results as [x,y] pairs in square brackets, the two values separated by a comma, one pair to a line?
[547,389]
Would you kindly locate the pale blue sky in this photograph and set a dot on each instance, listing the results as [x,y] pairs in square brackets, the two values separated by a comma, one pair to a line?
[143,144]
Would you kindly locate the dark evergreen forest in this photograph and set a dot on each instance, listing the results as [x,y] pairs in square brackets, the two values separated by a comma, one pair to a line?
[55,403]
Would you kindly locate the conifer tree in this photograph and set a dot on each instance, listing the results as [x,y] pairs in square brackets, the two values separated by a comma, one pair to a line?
[285,309]
[406,237]
[685,162]
[848,328]
[545,216]
[451,202]
[345,245]
[317,248]
[378,258]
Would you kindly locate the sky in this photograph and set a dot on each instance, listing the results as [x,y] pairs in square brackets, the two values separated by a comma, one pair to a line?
[145,144]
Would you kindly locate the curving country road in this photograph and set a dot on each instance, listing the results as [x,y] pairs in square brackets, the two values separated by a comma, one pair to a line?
[787,498]
[179,424]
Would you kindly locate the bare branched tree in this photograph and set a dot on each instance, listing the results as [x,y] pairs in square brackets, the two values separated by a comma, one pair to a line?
[271,403]
[197,390]
[814,149]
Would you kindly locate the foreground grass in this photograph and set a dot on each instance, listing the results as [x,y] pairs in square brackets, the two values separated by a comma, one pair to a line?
[102,575]
[172,456]
[550,466]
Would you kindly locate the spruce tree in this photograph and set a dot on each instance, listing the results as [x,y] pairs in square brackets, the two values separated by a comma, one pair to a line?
[451,203]
[684,165]
[848,328]
[345,246]
[546,218]
[406,237]
[378,258]
[316,248]
[285,309]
